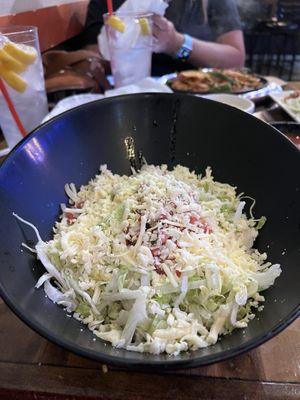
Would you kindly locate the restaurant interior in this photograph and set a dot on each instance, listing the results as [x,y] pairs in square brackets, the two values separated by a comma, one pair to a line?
[107,107]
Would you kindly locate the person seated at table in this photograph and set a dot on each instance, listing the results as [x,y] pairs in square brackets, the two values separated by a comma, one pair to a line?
[198,33]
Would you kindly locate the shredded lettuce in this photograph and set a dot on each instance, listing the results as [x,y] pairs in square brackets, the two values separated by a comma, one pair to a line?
[160,261]
[261,222]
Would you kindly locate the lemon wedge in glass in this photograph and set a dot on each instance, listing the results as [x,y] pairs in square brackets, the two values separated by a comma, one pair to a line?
[116,23]
[14,59]
[11,63]
[25,54]
[12,79]
[145,27]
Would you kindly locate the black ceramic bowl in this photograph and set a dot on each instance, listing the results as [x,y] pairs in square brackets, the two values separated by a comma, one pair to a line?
[194,132]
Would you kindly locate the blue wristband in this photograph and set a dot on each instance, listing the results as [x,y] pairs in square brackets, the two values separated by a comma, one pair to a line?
[186,49]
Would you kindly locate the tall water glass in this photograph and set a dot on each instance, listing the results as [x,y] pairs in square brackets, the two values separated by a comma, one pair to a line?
[131,49]
[31,105]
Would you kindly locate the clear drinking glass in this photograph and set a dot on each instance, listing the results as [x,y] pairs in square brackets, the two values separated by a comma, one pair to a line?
[31,105]
[131,50]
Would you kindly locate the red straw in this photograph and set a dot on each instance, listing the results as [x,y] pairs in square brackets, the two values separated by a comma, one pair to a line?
[110,7]
[12,109]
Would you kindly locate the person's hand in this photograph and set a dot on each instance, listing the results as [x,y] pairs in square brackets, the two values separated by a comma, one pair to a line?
[167,39]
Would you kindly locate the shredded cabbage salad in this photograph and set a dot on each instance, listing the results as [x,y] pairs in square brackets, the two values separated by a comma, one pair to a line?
[159,261]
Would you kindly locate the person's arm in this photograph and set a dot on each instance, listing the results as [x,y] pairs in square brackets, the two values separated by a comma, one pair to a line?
[227,52]
[92,47]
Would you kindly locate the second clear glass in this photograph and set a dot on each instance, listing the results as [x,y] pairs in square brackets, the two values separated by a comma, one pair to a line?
[31,105]
[130,50]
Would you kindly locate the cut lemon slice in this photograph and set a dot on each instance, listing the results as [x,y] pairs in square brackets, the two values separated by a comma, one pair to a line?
[13,79]
[145,27]
[116,23]
[25,54]
[11,63]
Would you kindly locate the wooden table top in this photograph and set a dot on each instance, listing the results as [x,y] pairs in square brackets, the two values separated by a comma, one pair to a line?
[33,368]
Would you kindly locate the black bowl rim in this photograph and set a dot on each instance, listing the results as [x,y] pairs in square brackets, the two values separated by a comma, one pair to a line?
[278,124]
[132,363]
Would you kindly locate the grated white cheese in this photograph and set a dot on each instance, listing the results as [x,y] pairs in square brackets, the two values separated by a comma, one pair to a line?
[159,261]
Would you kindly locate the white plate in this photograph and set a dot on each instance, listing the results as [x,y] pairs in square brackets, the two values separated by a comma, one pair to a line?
[279,97]
[70,102]
[271,87]
[233,100]
[146,85]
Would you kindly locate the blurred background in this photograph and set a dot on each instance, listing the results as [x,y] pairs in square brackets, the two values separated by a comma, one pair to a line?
[271,29]
[71,70]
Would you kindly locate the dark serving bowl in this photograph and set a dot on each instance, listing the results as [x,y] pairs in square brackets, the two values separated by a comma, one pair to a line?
[166,128]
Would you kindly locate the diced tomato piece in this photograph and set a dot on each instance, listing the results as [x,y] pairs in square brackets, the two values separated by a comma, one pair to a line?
[194,220]
[70,217]
[178,273]
[155,251]
[204,225]
[207,229]
[164,238]
[159,270]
